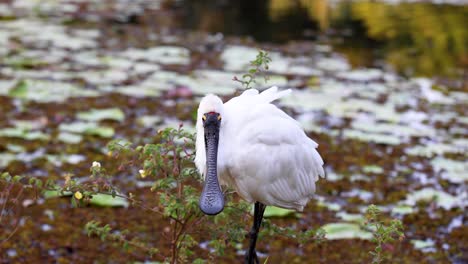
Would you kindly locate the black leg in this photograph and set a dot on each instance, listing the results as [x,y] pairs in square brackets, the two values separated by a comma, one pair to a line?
[251,255]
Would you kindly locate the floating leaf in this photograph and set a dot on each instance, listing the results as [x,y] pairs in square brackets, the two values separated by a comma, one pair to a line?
[451,170]
[351,217]
[90,128]
[402,210]
[106,200]
[54,194]
[15,148]
[424,245]
[6,158]
[372,169]
[48,91]
[345,231]
[16,132]
[160,54]
[441,198]
[20,90]
[69,138]
[149,120]
[273,211]
[97,115]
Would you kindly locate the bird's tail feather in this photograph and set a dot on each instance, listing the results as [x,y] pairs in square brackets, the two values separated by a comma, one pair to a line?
[271,94]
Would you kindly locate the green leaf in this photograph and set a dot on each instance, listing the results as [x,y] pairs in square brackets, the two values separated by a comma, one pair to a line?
[69,138]
[421,244]
[273,211]
[17,178]
[17,132]
[6,176]
[20,90]
[90,128]
[345,231]
[106,200]
[55,193]
[96,115]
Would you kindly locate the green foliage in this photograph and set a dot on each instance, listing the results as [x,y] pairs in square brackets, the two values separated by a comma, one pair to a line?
[259,66]
[304,237]
[105,233]
[169,164]
[10,193]
[384,231]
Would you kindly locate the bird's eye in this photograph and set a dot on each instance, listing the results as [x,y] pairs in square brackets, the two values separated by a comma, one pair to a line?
[203,117]
[219,117]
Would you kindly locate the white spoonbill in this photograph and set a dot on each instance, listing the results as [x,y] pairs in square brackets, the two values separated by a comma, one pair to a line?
[256,148]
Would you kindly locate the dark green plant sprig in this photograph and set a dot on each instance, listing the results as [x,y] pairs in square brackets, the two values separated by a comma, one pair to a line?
[384,231]
[168,162]
[10,194]
[258,66]
[303,237]
[105,233]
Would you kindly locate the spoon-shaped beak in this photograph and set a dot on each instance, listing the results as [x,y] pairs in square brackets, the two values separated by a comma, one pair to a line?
[212,198]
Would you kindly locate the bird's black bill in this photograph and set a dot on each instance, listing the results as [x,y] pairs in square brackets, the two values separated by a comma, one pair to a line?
[212,199]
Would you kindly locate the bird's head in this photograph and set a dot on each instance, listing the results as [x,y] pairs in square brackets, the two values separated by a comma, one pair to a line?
[209,119]
[210,104]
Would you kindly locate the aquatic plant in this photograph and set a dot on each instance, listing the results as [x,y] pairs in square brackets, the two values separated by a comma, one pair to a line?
[10,194]
[258,66]
[383,230]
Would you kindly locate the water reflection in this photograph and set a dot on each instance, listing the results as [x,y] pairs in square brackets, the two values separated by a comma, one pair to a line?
[415,38]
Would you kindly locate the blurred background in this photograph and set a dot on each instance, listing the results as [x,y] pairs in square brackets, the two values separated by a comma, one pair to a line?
[382,86]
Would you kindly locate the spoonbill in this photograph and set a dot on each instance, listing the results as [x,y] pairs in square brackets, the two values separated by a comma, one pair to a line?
[253,146]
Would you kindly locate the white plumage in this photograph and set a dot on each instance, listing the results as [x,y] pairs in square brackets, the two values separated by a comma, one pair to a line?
[263,153]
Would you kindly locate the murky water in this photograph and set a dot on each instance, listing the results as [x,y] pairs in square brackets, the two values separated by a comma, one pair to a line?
[381,87]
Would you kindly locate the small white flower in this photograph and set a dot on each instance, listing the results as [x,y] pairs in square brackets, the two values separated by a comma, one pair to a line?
[142,173]
[96,164]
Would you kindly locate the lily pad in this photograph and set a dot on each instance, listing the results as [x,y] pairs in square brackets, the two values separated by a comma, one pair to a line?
[358,218]
[106,200]
[362,75]
[15,148]
[103,200]
[329,205]
[402,210]
[89,128]
[424,245]
[48,91]
[372,137]
[162,54]
[97,115]
[54,194]
[451,170]
[69,138]
[273,211]
[441,198]
[430,149]
[58,160]
[6,158]
[372,169]
[149,120]
[345,231]
[16,132]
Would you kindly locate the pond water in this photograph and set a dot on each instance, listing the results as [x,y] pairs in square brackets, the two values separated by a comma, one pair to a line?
[416,38]
[380,85]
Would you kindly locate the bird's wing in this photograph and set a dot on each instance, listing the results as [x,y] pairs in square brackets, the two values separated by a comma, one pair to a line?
[266,154]
[253,97]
